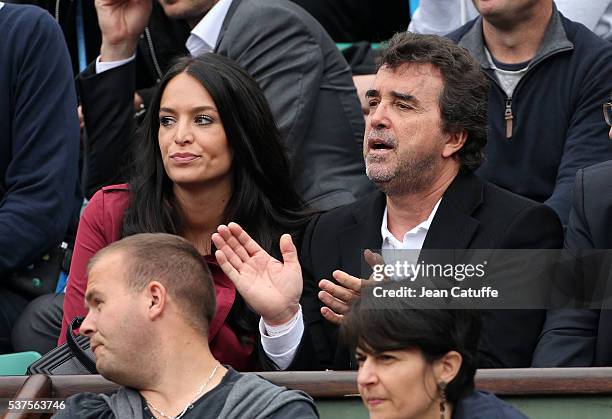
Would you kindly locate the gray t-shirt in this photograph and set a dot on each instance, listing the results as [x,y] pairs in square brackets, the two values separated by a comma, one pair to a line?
[236,396]
[508,75]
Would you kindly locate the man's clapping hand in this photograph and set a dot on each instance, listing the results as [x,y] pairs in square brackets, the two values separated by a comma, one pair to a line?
[337,297]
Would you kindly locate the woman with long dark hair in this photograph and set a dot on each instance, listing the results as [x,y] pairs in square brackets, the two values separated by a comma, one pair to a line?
[210,153]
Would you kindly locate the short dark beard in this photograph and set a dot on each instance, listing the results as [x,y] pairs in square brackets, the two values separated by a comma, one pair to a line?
[415,175]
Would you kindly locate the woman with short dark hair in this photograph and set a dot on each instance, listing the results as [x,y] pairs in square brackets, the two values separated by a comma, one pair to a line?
[419,363]
[209,153]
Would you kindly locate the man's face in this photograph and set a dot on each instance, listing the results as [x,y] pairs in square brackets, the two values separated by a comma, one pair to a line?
[505,10]
[116,323]
[403,140]
[190,10]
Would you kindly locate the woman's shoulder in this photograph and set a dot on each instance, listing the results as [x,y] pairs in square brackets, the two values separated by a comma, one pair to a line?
[485,405]
[107,208]
[111,196]
[120,189]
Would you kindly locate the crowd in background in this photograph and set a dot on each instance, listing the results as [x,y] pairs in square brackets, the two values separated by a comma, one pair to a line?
[280,139]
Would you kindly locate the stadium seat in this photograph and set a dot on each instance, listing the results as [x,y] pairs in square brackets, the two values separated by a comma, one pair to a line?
[17,363]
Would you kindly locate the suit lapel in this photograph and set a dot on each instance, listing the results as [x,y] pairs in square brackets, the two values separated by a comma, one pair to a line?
[363,233]
[453,226]
[226,21]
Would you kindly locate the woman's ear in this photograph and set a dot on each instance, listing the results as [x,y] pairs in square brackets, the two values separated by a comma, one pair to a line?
[447,367]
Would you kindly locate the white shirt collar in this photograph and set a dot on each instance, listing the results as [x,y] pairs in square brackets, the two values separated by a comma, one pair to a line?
[419,230]
[1,4]
[205,34]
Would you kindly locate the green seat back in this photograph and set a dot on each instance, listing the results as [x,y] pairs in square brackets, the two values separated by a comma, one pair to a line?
[17,363]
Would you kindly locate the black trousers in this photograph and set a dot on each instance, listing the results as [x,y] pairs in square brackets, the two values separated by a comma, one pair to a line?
[39,325]
[11,307]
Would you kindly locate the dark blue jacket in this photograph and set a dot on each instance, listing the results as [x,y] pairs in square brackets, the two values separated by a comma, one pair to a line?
[558,125]
[484,405]
[39,135]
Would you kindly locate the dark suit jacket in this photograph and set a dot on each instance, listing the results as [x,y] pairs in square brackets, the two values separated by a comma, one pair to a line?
[359,20]
[307,83]
[473,214]
[583,338]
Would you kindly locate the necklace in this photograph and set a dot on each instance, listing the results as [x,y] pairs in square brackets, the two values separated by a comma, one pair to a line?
[188,405]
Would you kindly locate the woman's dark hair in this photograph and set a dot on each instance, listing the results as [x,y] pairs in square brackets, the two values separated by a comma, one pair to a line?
[464,97]
[435,332]
[263,201]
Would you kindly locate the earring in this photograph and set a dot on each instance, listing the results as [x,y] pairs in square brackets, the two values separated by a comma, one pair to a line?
[442,391]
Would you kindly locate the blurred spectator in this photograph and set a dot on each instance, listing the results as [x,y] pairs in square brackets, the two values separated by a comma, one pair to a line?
[443,16]
[39,140]
[549,76]
[151,302]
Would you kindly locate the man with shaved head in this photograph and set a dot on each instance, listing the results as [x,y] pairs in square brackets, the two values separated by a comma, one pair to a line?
[151,300]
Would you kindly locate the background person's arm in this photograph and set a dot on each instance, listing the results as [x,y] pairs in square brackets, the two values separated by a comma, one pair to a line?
[586,140]
[40,181]
[108,108]
[569,335]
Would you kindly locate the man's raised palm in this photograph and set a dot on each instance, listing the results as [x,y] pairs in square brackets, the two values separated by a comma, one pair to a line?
[270,287]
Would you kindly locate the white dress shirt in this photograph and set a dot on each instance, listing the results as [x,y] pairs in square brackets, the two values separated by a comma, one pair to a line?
[413,239]
[282,348]
[203,38]
[205,34]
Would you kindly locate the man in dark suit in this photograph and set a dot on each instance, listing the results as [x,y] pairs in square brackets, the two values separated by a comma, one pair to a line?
[582,338]
[303,75]
[424,137]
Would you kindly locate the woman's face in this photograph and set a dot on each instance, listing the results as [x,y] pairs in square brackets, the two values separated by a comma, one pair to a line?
[192,141]
[397,385]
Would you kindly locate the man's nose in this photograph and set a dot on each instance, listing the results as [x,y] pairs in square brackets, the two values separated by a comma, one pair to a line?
[378,117]
[88,327]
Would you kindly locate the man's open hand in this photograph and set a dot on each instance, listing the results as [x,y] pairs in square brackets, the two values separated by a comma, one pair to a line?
[270,287]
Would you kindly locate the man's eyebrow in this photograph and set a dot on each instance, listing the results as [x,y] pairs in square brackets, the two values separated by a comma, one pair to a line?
[89,296]
[398,95]
[404,96]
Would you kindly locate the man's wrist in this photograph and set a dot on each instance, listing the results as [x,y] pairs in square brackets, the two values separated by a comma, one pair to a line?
[283,318]
[101,67]
[117,52]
